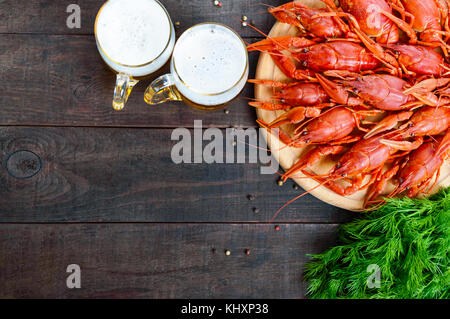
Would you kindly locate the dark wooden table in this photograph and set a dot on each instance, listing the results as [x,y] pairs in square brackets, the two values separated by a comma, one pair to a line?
[108,197]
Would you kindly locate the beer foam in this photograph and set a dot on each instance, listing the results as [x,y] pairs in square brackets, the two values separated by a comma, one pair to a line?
[209,59]
[133,32]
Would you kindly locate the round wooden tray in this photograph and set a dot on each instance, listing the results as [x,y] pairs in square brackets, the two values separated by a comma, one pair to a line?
[287,156]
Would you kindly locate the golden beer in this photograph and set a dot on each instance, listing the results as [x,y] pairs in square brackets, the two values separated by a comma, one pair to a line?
[135,39]
[209,68]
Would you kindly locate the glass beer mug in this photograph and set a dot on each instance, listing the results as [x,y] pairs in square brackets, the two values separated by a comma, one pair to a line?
[135,39]
[209,68]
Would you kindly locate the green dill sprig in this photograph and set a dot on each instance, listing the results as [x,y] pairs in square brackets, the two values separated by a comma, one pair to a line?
[406,239]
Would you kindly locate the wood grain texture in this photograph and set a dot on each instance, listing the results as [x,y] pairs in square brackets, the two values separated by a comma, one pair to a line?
[49,16]
[158,261]
[137,224]
[127,175]
[61,80]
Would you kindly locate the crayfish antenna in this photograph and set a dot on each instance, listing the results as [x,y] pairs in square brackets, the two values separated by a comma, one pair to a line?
[269,106]
[399,189]
[281,135]
[378,205]
[272,83]
[294,199]
[267,41]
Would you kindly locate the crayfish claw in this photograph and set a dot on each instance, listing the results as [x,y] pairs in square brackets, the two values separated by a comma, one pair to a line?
[402,145]
[388,123]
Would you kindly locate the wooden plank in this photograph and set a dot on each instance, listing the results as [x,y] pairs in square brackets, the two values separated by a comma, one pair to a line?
[61,80]
[46,16]
[127,175]
[158,260]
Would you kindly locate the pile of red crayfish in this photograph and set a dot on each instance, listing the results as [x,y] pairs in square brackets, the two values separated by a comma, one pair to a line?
[350,62]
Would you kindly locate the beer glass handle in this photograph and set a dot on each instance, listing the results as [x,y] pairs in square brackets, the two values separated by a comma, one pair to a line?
[162,90]
[124,85]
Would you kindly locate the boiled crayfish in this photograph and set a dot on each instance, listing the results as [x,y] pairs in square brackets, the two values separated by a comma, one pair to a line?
[353,61]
